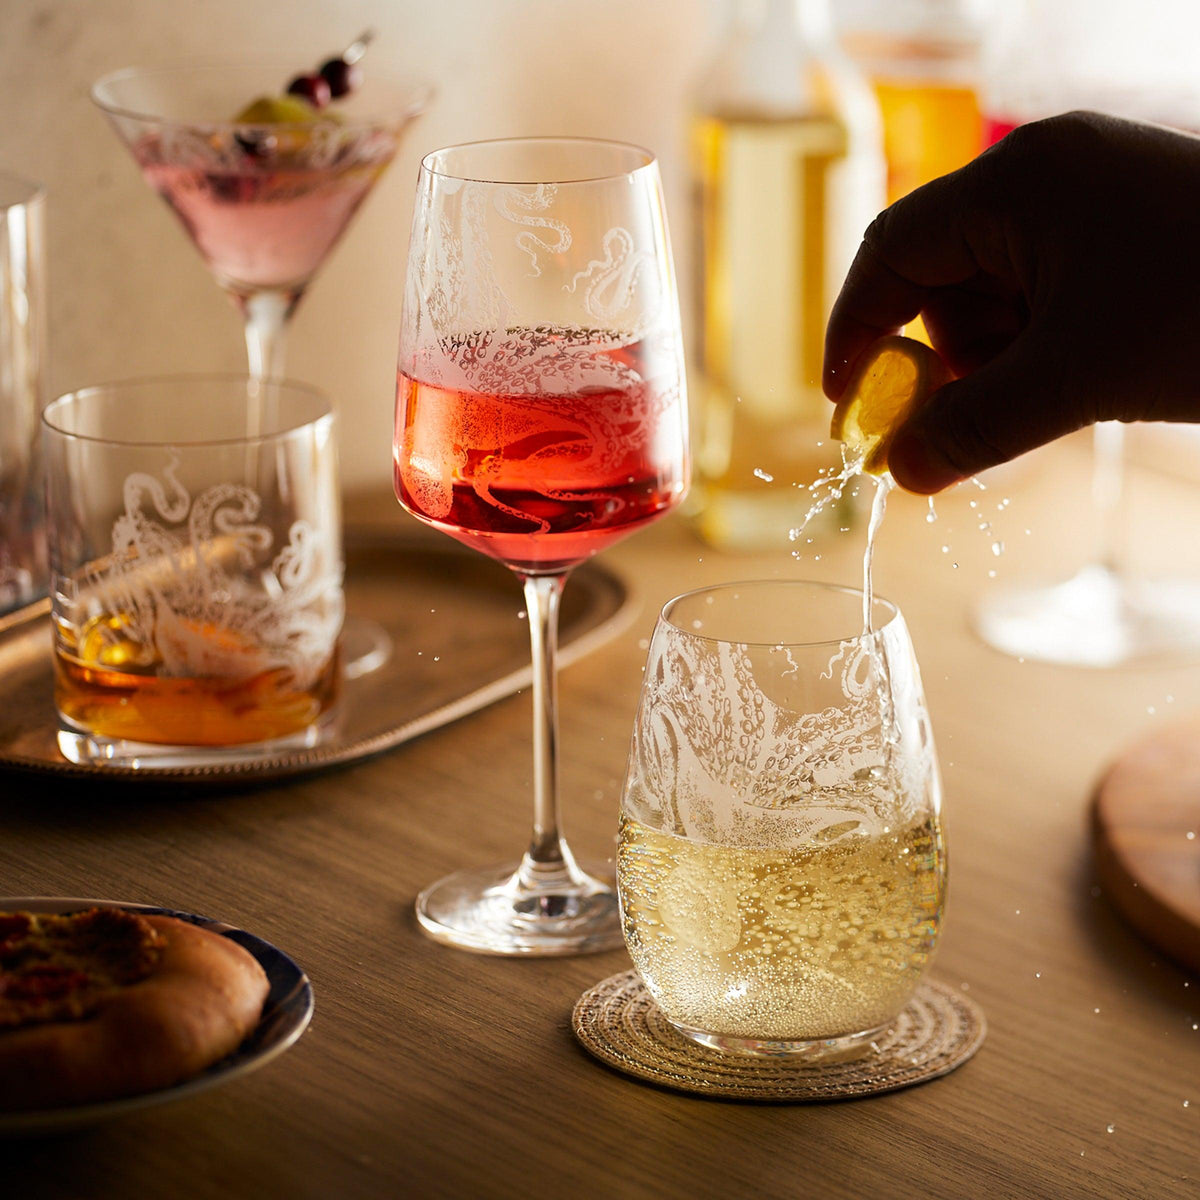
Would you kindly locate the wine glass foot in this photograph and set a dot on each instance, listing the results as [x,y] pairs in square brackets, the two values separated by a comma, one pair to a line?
[366,646]
[1097,618]
[491,911]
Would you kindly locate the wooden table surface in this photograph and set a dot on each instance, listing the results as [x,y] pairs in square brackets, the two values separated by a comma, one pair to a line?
[430,1072]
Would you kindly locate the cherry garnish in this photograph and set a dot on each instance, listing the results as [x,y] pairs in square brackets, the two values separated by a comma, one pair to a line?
[343,77]
[313,88]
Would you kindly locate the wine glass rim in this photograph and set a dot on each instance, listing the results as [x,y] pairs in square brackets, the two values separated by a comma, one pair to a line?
[51,412]
[648,158]
[810,585]
[418,93]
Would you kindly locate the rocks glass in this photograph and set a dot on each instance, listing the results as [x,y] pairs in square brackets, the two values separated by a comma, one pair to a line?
[196,569]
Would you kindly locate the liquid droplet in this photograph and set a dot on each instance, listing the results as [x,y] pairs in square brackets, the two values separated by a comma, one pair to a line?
[931,515]
[1111,1128]
[765,476]
[997,548]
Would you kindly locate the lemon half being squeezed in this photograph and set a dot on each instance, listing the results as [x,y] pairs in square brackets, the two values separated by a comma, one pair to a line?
[894,377]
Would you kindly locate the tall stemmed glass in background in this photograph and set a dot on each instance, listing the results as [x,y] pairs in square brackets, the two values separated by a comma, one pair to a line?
[1100,616]
[264,200]
[540,416]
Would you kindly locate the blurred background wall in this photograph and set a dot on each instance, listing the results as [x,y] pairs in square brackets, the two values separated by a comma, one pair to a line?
[129,294]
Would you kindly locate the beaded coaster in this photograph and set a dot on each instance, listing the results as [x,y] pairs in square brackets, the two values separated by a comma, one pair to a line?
[618,1022]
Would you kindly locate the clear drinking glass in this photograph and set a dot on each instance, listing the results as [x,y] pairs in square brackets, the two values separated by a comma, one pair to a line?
[263,202]
[781,865]
[540,416]
[1101,616]
[22,336]
[194,530]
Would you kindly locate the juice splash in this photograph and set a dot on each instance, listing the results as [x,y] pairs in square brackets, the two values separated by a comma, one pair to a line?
[894,377]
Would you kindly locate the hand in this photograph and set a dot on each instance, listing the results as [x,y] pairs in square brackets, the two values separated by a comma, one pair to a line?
[1058,276]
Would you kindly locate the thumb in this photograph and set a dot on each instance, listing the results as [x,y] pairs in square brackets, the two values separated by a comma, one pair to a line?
[994,414]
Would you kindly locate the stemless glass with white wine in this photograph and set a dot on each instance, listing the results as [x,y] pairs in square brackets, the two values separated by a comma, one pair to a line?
[781,866]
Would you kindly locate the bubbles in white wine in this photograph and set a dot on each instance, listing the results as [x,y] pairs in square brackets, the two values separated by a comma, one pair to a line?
[812,941]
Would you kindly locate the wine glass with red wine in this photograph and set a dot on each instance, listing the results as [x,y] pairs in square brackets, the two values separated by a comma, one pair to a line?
[540,416]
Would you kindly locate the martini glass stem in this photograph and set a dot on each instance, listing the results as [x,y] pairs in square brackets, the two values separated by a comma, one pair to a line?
[266,315]
[548,863]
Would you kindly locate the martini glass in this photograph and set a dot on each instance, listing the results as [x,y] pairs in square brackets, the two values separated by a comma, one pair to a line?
[264,203]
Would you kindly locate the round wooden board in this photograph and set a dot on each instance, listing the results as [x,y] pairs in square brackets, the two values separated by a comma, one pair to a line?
[1146,830]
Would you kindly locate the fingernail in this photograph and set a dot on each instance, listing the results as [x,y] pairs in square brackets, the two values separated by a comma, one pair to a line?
[917,467]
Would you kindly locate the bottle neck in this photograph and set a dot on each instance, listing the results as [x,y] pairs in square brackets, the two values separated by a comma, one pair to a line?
[807,22]
[774,59]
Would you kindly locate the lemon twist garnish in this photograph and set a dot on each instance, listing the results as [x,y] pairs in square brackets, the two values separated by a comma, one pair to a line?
[894,377]
[279,110]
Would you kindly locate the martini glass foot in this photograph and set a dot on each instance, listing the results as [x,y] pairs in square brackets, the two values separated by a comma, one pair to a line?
[366,646]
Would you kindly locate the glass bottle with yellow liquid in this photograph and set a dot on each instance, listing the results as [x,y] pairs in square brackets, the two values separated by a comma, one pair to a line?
[788,172]
[923,60]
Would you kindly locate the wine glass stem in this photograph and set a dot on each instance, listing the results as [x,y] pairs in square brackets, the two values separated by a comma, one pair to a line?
[1108,477]
[548,861]
[266,315]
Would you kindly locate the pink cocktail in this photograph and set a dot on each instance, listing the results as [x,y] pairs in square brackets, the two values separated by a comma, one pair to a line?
[540,481]
[263,199]
[261,225]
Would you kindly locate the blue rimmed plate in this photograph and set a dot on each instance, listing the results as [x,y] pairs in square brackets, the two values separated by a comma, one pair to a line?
[286,1013]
